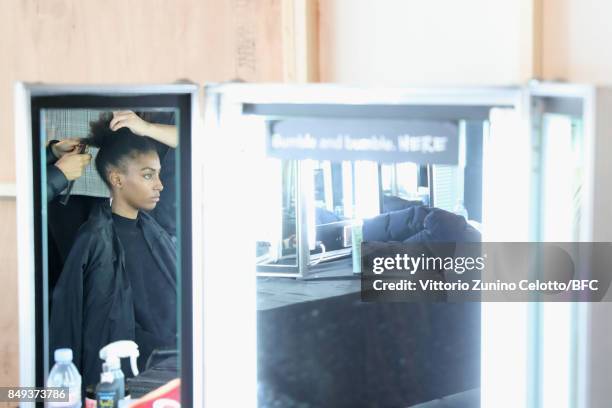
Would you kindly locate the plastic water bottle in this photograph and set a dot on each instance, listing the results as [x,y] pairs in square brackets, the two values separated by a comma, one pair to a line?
[65,374]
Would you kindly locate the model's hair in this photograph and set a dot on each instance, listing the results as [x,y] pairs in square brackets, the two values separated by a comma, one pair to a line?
[115,146]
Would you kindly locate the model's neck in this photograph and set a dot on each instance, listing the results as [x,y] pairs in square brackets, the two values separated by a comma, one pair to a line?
[123,209]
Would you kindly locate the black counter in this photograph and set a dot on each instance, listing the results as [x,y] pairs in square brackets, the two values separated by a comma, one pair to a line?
[319,345]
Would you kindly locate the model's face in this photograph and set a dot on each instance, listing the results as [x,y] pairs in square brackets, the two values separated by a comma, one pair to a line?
[140,185]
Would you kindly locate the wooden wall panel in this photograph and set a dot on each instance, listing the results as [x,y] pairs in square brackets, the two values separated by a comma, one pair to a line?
[139,41]
[9,346]
[575,41]
[301,40]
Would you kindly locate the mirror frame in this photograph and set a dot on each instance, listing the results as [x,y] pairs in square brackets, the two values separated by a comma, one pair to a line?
[30,100]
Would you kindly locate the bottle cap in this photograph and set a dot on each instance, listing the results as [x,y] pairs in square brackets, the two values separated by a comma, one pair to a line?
[63,355]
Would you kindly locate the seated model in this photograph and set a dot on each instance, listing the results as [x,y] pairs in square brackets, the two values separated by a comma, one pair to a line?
[119,280]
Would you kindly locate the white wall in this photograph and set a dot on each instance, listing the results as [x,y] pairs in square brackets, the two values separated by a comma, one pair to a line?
[576,36]
[426,42]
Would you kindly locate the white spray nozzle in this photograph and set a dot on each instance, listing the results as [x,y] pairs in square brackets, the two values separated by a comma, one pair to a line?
[112,352]
[112,362]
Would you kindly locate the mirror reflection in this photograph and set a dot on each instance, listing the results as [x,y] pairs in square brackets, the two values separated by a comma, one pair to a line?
[110,184]
[315,331]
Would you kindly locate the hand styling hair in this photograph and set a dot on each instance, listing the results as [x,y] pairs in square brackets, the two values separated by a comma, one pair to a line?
[115,146]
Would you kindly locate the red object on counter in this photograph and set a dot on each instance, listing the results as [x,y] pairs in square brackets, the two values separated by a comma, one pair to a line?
[166,396]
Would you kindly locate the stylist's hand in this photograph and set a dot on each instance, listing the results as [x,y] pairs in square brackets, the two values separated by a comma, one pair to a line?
[130,120]
[72,164]
[65,146]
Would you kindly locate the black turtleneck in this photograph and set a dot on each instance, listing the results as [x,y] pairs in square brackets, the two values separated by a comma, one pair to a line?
[155,299]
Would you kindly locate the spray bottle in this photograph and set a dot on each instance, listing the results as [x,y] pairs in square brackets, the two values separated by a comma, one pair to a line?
[107,393]
[112,354]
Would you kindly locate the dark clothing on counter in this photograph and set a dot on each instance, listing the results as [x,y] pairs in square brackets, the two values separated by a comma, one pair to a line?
[155,291]
[394,203]
[422,231]
[94,302]
[419,224]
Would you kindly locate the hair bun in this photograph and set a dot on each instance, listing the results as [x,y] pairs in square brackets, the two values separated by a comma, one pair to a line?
[114,145]
[100,133]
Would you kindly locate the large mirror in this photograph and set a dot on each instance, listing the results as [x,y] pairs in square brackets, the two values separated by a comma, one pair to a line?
[113,274]
[314,329]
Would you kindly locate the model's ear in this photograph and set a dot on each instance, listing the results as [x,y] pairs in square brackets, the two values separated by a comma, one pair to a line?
[115,178]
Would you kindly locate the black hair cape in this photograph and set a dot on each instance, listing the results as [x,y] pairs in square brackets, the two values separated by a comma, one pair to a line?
[92,303]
